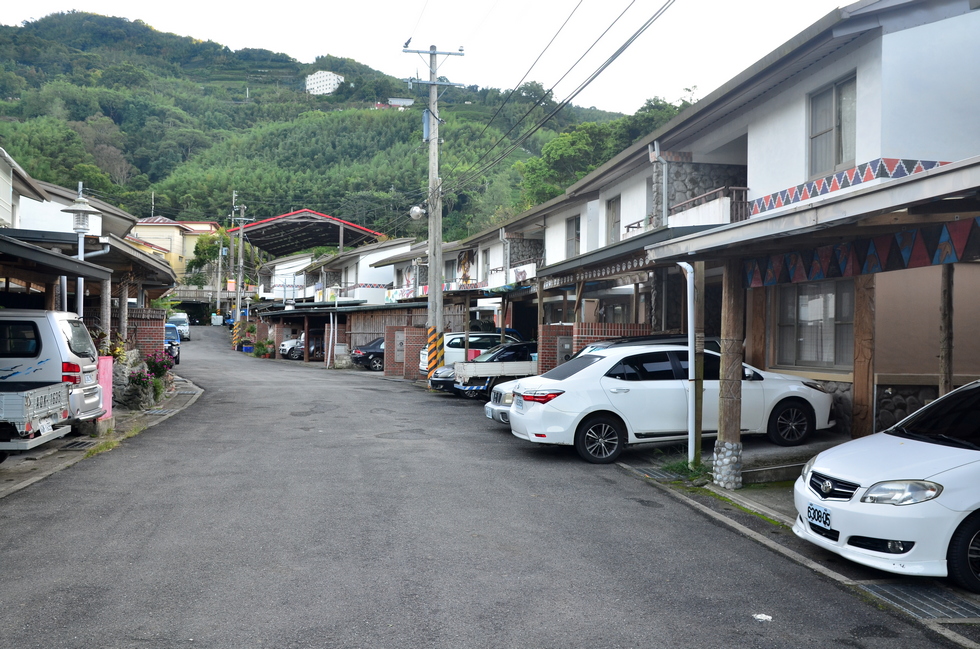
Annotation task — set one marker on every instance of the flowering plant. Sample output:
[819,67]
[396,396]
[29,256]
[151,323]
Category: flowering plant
[140,378]
[159,363]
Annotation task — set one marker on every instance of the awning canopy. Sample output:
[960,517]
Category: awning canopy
[42,266]
[302,230]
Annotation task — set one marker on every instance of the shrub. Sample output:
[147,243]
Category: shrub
[159,363]
[157,388]
[140,378]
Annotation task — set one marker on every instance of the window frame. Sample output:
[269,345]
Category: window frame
[839,324]
[614,206]
[573,236]
[834,131]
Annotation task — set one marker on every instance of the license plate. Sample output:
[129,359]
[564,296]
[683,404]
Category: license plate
[488,412]
[518,402]
[819,516]
[89,378]
[46,426]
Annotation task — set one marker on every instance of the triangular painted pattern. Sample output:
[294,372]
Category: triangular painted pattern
[862,173]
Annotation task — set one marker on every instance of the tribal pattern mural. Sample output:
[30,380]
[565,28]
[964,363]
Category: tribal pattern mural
[944,243]
[877,168]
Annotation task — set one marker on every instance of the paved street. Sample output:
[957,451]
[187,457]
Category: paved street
[298,507]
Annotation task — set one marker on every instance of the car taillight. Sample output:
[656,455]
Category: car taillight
[75,377]
[542,396]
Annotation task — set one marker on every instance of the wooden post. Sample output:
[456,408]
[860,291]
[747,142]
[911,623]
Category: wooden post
[755,335]
[862,394]
[635,308]
[698,353]
[306,339]
[540,303]
[946,331]
[727,467]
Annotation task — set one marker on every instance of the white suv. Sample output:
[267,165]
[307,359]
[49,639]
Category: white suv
[454,345]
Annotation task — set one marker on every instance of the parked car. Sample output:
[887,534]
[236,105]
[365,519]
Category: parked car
[52,347]
[371,355]
[711,344]
[454,346]
[501,398]
[293,348]
[904,500]
[183,324]
[171,342]
[610,398]
[444,378]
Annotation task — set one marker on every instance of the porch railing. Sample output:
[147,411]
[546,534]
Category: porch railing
[738,195]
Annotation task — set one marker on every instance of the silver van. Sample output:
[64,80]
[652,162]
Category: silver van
[51,347]
[183,325]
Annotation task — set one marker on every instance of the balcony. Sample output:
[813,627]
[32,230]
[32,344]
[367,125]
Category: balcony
[717,207]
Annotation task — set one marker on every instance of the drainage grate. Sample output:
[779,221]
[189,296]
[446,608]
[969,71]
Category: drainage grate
[186,391]
[925,602]
[160,411]
[658,473]
[78,445]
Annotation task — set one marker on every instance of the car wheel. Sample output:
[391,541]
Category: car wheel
[177,359]
[376,364]
[600,439]
[295,354]
[963,555]
[791,423]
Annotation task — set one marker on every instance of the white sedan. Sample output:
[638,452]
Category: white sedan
[904,500]
[605,400]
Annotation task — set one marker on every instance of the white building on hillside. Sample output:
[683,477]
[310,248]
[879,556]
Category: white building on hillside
[323,82]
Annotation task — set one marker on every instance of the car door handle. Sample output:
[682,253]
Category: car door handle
[619,390]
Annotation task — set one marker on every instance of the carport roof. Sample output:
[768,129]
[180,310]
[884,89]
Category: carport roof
[36,264]
[301,230]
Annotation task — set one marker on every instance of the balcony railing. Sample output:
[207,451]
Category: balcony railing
[739,210]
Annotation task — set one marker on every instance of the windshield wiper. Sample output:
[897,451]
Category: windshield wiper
[934,439]
[958,442]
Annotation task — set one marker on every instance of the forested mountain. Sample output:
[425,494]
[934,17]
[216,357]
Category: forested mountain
[149,118]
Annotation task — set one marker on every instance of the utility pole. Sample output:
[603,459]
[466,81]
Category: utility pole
[241,262]
[435,303]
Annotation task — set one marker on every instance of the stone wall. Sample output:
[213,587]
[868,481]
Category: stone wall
[687,180]
[895,402]
[523,251]
[842,405]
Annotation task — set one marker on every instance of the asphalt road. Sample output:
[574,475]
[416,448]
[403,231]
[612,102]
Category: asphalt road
[298,507]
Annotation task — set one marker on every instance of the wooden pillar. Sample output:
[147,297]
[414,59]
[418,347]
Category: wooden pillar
[862,393]
[105,311]
[946,331]
[727,467]
[124,308]
[540,286]
[755,322]
[635,307]
[50,296]
[306,339]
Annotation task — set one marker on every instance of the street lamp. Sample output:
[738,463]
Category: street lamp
[80,211]
[248,303]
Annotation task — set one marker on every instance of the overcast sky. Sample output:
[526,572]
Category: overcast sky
[696,43]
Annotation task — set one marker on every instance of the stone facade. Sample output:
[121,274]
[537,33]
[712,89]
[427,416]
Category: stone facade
[687,180]
[840,410]
[894,403]
[524,251]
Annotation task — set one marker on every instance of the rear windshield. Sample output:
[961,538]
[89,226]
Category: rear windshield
[571,367]
[953,420]
[19,339]
[79,342]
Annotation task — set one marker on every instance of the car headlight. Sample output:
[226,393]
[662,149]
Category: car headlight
[902,492]
[813,385]
[508,398]
[808,466]
[444,373]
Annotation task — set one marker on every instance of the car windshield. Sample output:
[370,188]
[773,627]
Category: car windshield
[952,420]
[172,333]
[487,355]
[571,367]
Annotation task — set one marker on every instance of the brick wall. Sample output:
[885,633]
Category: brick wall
[590,332]
[146,328]
[415,340]
[548,345]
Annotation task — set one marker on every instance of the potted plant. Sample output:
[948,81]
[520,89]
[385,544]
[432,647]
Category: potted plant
[261,351]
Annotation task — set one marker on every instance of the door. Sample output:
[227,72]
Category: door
[644,389]
[753,396]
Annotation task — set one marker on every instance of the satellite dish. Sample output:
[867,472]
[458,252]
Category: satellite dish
[416,212]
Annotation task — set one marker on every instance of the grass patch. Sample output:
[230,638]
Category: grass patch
[688,472]
[102,447]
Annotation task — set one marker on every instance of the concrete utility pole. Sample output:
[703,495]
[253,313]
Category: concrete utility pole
[241,263]
[435,311]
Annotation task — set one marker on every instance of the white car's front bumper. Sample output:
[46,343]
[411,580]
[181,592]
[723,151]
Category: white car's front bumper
[929,525]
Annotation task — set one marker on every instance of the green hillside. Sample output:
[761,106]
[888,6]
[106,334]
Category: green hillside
[140,115]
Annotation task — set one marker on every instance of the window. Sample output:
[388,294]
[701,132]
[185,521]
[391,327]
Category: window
[19,339]
[612,220]
[573,236]
[654,366]
[450,270]
[833,117]
[486,264]
[815,325]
